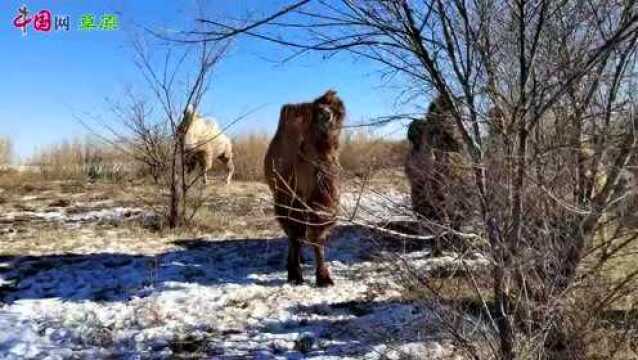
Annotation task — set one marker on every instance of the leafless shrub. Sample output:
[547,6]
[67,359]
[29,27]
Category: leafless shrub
[81,159]
[149,130]
[547,179]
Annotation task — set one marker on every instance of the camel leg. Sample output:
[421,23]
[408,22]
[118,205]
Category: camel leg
[317,236]
[207,163]
[436,247]
[295,232]
[323,274]
[230,166]
[231,170]
[295,274]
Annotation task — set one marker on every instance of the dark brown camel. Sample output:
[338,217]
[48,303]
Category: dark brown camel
[301,168]
[431,168]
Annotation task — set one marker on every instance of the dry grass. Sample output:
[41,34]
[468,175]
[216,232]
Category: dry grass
[249,152]
[242,209]
[6,151]
[363,154]
[86,159]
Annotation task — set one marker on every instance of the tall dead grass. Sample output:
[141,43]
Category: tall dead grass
[248,154]
[80,159]
[361,154]
[6,151]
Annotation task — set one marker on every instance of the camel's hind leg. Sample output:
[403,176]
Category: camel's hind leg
[227,160]
[295,232]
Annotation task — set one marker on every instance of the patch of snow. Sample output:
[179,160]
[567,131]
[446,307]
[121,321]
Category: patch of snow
[375,206]
[214,298]
[108,215]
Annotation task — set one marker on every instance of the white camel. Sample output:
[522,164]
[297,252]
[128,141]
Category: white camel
[204,142]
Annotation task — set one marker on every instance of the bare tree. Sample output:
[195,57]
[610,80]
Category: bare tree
[558,79]
[148,128]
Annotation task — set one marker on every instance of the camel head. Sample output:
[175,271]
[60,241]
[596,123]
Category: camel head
[187,120]
[189,114]
[436,131]
[325,119]
[416,134]
[328,114]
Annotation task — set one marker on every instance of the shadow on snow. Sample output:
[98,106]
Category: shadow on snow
[119,277]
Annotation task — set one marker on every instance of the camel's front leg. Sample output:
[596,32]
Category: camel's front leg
[295,275]
[207,163]
[323,273]
[230,166]
[318,238]
[227,160]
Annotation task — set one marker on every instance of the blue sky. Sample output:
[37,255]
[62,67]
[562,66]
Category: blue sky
[52,78]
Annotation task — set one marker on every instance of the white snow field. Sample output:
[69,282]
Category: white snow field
[219,298]
[222,299]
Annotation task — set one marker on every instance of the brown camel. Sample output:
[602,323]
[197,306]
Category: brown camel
[301,168]
[432,172]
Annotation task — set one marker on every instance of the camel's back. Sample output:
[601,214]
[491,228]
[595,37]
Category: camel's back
[202,131]
[282,156]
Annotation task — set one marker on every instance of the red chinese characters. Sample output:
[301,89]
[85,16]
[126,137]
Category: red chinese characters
[22,20]
[42,21]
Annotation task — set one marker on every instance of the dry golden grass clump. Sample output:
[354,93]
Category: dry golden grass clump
[81,159]
[5,151]
[363,154]
[249,156]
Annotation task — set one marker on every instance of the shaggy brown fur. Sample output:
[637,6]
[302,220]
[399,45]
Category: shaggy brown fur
[301,168]
[431,168]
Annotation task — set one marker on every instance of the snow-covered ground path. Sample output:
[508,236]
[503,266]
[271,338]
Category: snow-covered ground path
[213,298]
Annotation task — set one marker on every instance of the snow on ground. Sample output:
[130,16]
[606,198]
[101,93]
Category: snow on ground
[374,206]
[99,215]
[217,298]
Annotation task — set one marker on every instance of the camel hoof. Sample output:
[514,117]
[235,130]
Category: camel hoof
[324,279]
[436,253]
[295,277]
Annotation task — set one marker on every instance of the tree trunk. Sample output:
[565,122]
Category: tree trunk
[176,206]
